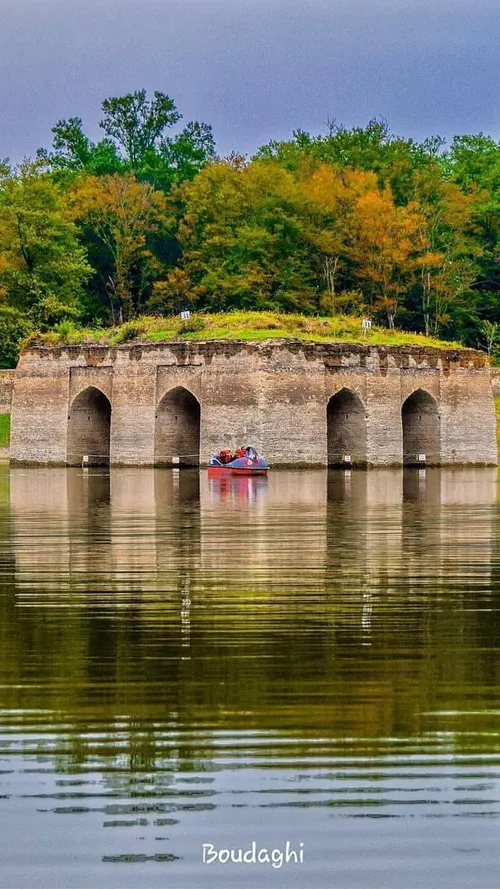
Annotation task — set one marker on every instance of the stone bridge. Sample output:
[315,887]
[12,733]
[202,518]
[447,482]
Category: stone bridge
[299,403]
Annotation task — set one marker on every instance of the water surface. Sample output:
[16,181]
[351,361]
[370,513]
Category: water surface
[312,658]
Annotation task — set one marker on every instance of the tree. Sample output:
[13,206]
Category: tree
[43,268]
[138,124]
[372,148]
[333,193]
[490,333]
[383,249]
[448,250]
[122,213]
[243,230]
[14,328]
[187,153]
[135,141]
[75,152]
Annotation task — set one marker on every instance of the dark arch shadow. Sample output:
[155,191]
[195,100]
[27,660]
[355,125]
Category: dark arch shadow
[89,428]
[346,429]
[177,429]
[421,430]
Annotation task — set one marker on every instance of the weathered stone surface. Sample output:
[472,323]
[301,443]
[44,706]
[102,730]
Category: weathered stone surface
[6,387]
[495,380]
[175,400]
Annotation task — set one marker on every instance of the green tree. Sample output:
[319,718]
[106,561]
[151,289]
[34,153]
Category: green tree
[43,268]
[448,248]
[473,163]
[136,140]
[138,124]
[75,152]
[122,213]
[244,232]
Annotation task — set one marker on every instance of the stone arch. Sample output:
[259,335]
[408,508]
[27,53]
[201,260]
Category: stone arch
[421,429]
[89,428]
[177,428]
[346,429]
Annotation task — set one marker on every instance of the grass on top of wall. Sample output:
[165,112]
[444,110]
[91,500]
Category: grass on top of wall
[4,430]
[237,325]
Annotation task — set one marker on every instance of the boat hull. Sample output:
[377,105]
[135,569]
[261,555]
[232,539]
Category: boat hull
[214,471]
[250,464]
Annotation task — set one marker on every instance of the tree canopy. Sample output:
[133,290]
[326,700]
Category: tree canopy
[149,219]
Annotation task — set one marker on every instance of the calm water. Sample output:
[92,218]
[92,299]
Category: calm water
[311,658]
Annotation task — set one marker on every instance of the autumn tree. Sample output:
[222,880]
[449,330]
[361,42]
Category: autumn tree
[332,194]
[383,249]
[372,149]
[123,214]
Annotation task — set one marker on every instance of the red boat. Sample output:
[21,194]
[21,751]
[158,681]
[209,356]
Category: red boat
[248,464]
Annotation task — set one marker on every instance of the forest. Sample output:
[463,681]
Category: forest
[149,221]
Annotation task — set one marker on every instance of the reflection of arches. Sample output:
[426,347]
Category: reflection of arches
[346,428]
[89,425]
[177,428]
[420,419]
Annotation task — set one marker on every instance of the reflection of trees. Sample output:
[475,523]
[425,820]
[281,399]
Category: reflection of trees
[168,612]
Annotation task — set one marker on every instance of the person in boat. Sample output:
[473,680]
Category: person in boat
[240,452]
[225,456]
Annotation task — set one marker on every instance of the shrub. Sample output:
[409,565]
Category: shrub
[130,330]
[191,325]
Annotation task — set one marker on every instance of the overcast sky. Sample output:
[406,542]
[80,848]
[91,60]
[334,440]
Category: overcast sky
[254,69]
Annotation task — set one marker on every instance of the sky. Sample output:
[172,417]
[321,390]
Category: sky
[254,69]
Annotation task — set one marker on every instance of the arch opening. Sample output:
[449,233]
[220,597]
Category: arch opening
[89,428]
[421,433]
[346,429]
[177,429]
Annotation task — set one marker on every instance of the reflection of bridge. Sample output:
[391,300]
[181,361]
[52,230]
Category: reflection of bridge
[143,531]
[176,594]
[299,403]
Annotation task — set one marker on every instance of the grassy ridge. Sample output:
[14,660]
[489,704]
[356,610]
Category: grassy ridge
[238,325]
[4,430]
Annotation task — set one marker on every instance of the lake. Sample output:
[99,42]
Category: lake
[310,659]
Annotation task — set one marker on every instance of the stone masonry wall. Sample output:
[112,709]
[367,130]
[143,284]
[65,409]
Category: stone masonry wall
[6,387]
[273,395]
[495,380]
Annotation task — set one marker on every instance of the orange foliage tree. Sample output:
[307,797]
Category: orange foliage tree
[384,249]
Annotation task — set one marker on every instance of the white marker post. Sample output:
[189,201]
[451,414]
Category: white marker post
[366,325]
